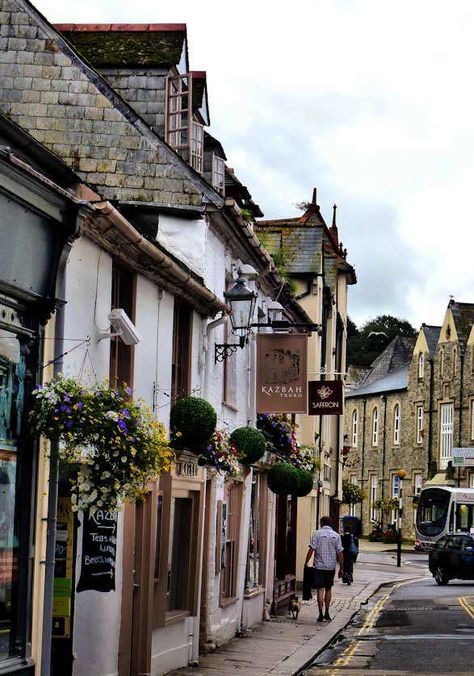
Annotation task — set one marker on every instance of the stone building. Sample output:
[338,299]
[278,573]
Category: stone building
[416,404]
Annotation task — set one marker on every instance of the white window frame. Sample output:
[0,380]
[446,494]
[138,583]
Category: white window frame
[395,494]
[352,507]
[421,366]
[446,412]
[375,427]
[417,486]
[197,146]
[396,424]
[373,497]
[218,174]
[420,419]
[355,428]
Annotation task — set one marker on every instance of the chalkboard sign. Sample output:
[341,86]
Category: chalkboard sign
[99,545]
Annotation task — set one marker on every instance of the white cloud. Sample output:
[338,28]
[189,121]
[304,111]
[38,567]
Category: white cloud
[371,101]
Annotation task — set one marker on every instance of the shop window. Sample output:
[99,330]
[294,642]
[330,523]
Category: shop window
[255,554]
[229,529]
[121,355]
[181,357]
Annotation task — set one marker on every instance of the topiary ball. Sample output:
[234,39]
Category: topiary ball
[193,422]
[305,483]
[250,444]
[283,479]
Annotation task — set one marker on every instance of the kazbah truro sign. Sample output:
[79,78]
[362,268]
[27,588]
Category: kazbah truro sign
[281,373]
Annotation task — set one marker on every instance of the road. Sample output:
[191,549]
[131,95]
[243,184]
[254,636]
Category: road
[408,628]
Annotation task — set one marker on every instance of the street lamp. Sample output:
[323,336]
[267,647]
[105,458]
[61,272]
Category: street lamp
[401,474]
[241,301]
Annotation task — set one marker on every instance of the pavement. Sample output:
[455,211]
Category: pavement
[283,646]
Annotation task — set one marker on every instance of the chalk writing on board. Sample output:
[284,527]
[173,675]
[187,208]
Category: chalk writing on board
[99,546]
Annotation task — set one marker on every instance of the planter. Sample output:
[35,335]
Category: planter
[193,422]
[250,444]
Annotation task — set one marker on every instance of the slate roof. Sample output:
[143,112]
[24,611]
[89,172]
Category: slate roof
[432,337]
[131,45]
[301,247]
[392,382]
[396,355]
[463,314]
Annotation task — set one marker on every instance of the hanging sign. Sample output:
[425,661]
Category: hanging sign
[325,397]
[99,545]
[281,373]
[463,457]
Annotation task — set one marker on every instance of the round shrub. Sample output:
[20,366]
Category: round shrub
[305,483]
[250,444]
[283,479]
[193,422]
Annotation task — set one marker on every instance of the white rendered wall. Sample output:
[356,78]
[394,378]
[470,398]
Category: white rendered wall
[186,239]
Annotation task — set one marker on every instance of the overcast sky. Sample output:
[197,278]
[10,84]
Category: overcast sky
[369,100]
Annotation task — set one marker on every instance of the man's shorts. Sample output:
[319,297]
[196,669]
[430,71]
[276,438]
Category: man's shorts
[323,578]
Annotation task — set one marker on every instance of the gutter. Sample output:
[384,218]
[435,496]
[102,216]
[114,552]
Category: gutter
[177,275]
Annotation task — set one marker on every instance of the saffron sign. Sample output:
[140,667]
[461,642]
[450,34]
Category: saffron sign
[281,373]
[325,397]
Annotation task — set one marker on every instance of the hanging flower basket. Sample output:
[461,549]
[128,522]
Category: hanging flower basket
[250,444]
[112,443]
[283,479]
[193,422]
[278,431]
[387,504]
[221,454]
[351,493]
[305,483]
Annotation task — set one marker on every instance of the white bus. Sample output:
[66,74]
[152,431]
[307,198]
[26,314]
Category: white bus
[442,510]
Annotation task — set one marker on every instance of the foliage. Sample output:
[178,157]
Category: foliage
[386,504]
[221,454]
[305,458]
[283,479]
[250,444]
[305,482]
[364,345]
[379,535]
[247,215]
[193,422]
[351,493]
[278,430]
[112,442]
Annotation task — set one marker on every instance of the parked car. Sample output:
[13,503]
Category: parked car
[452,557]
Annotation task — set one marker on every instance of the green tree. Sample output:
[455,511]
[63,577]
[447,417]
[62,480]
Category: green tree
[365,344]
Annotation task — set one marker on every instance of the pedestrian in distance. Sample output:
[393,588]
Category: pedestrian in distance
[326,550]
[351,550]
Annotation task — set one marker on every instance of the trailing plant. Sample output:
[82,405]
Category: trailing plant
[278,431]
[111,442]
[352,493]
[386,504]
[193,422]
[250,444]
[221,454]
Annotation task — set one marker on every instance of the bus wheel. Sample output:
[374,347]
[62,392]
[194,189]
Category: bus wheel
[440,576]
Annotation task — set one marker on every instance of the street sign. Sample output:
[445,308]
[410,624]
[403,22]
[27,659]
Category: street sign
[463,457]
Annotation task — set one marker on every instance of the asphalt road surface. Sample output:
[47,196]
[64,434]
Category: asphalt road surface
[408,628]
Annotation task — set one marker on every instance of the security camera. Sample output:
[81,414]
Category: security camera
[122,326]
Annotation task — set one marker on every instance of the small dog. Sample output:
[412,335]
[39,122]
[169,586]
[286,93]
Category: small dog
[294,607]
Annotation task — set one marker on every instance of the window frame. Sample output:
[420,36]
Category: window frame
[218,175]
[419,423]
[396,424]
[258,515]
[421,366]
[196,148]
[373,490]
[355,428]
[181,350]
[446,433]
[231,511]
[375,426]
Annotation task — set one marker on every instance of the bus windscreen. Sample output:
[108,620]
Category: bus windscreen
[432,511]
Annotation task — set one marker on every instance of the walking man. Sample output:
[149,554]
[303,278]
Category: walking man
[327,550]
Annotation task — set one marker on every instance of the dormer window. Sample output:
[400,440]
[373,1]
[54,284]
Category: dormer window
[218,174]
[197,146]
[183,134]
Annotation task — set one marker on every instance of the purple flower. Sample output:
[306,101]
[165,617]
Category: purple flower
[122,426]
[125,413]
[63,408]
[128,391]
[80,405]
[66,397]
[68,424]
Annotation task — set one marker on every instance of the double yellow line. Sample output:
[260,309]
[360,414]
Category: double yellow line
[463,600]
[369,624]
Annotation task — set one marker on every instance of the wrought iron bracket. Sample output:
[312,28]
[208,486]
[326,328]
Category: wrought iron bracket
[224,350]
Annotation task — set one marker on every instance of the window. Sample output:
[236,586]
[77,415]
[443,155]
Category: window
[181,357]
[197,145]
[121,355]
[419,424]
[446,434]
[254,576]
[417,484]
[441,363]
[178,112]
[218,174]
[396,425]
[180,547]
[375,427]
[455,361]
[327,473]
[355,428]
[395,494]
[421,365]
[352,507]
[229,513]
[373,496]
